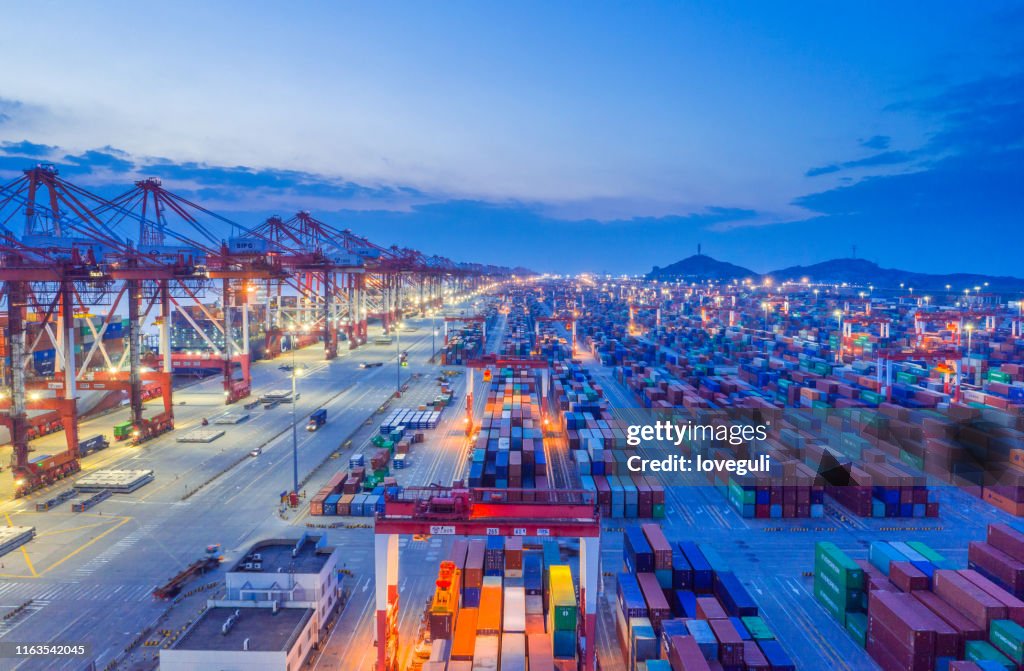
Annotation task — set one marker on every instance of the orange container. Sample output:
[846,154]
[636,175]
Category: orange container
[464,642]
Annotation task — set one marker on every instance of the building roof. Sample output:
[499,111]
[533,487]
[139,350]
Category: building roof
[276,556]
[266,631]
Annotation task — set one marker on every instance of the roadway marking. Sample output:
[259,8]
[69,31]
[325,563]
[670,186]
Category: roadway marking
[124,520]
[24,550]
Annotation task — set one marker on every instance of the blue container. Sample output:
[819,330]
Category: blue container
[776,656]
[682,572]
[637,551]
[684,603]
[629,596]
[670,628]
[564,644]
[702,574]
[705,638]
[733,596]
[741,628]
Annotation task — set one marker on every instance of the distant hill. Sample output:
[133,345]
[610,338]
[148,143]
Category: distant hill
[853,271]
[700,267]
[862,271]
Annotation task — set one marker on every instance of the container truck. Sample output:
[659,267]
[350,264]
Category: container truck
[317,419]
[93,444]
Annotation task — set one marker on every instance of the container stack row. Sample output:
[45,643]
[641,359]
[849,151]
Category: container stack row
[509,449]
[499,605]
[913,611]
[680,605]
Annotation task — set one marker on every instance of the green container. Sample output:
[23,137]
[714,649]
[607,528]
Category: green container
[831,600]
[658,510]
[930,554]
[122,430]
[832,561]
[1008,637]
[857,627]
[906,378]
[999,376]
[979,651]
[759,631]
[871,397]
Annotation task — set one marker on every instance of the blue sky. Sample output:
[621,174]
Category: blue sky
[562,136]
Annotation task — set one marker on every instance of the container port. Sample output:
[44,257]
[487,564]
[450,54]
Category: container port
[445,419]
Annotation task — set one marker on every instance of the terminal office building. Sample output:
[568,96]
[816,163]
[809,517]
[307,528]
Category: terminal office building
[279,598]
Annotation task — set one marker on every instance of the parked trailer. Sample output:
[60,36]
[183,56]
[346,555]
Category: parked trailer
[55,501]
[14,537]
[85,504]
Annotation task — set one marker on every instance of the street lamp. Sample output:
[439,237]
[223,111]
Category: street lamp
[764,306]
[398,359]
[839,353]
[295,431]
[970,332]
[433,335]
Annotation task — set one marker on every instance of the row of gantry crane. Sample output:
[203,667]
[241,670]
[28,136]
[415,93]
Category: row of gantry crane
[68,253]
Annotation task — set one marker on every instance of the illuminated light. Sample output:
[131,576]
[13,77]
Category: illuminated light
[837,313]
[20,482]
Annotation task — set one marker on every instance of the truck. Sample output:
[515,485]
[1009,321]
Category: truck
[93,444]
[123,430]
[317,419]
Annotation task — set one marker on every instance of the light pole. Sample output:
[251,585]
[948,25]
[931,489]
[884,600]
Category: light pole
[398,359]
[839,353]
[433,335]
[970,332]
[295,431]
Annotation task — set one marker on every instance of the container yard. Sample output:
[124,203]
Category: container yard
[514,339]
[498,482]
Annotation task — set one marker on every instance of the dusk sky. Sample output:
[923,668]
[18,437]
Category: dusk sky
[559,136]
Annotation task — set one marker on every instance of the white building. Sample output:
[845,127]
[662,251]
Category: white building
[279,596]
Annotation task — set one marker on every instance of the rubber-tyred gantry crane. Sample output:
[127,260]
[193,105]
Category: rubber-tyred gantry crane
[443,511]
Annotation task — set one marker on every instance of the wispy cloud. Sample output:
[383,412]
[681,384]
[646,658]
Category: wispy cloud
[878,142]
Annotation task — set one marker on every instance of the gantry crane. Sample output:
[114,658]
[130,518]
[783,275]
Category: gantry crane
[457,511]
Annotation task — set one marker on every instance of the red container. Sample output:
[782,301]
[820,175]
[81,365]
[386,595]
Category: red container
[906,618]
[659,545]
[685,655]
[708,608]
[892,654]
[964,627]
[989,560]
[730,645]
[966,597]
[1006,539]
[1014,606]
[473,575]
[754,658]
[657,606]
[906,577]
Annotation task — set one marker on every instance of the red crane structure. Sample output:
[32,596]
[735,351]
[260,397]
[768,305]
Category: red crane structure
[67,253]
[457,511]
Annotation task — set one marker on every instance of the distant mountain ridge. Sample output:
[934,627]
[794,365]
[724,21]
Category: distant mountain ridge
[852,271]
[701,266]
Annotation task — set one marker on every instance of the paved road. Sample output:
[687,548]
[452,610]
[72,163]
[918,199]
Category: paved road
[90,575]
